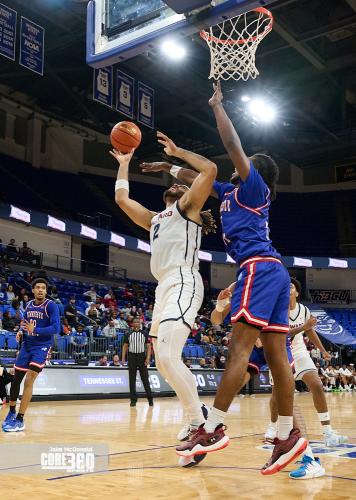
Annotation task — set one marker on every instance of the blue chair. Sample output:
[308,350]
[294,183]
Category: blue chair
[11,341]
[2,340]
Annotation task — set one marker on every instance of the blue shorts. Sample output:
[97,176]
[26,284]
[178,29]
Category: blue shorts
[257,359]
[261,295]
[32,356]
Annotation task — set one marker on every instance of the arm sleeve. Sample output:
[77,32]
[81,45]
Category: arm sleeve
[253,191]
[222,187]
[54,327]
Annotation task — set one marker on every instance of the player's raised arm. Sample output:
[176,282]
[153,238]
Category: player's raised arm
[202,185]
[137,212]
[228,134]
[185,175]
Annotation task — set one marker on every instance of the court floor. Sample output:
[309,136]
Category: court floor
[143,464]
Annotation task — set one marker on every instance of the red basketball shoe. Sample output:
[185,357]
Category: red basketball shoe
[285,452]
[204,442]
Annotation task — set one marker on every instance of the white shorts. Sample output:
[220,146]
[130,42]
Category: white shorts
[179,296]
[303,364]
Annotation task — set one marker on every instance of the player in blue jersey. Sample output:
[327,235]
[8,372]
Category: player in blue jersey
[41,321]
[259,304]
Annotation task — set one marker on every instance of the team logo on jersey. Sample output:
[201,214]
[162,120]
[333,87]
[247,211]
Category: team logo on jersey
[165,214]
[347,450]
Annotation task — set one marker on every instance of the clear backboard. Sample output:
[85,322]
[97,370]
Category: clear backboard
[120,29]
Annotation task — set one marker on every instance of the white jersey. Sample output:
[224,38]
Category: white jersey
[175,242]
[297,317]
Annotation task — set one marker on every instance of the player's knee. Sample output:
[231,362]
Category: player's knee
[30,378]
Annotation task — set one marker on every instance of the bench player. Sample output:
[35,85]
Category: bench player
[257,310]
[175,235]
[41,321]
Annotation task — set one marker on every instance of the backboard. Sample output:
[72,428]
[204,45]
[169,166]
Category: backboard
[120,29]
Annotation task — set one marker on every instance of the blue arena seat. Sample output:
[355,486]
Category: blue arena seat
[11,341]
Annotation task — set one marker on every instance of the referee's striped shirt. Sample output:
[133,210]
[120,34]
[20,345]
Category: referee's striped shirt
[137,339]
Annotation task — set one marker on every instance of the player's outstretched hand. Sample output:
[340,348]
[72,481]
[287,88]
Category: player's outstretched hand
[169,147]
[156,166]
[217,97]
[121,157]
[310,323]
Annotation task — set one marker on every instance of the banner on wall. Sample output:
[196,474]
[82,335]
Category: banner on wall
[145,105]
[345,173]
[103,85]
[32,46]
[8,19]
[330,329]
[330,296]
[125,93]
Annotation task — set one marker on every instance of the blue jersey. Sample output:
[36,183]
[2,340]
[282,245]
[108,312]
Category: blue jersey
[47,323]
[244,213]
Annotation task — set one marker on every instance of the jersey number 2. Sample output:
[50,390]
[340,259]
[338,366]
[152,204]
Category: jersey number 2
[155,231]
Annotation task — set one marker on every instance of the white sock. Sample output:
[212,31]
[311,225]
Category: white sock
[273,425]
[285,425]
[309,453]
[326,429]
[215,418]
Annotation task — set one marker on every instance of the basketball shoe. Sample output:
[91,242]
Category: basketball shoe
[332,438]
[184,433]
[308,469]
[15,425]
[202,442]
[285,452]
[9,418]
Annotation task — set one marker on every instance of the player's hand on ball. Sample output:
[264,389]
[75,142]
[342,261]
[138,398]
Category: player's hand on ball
[169,147]
[156,166]
[121,157]
[217,97]
[310,323]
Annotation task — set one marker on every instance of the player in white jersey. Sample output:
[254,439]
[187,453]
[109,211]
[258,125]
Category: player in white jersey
[175,235]
[300,322]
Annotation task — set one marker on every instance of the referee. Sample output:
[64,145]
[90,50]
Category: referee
[135,343]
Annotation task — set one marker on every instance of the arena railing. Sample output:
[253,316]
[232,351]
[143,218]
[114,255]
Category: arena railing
[63,263]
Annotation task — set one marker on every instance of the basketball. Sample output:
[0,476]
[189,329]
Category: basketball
[125,136]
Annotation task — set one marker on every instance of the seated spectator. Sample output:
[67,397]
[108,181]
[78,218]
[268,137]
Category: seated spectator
[92,312]
[3,296]
[26,254]
[91,294]
[103,361]
[109,330]
[188,362]
[79,336]
[99,306]
[109,300]
[11,250]
[115,360]
[66,329]
[121,322]
[10,294]
[333,376]
[204,364]
[149,312]
[55,296]
[220,362]
[71,313]
[8,322]
[325,379]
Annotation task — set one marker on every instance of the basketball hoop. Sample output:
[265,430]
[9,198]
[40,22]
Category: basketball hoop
[234,42]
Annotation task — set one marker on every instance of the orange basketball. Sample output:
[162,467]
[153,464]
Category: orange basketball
[125,136]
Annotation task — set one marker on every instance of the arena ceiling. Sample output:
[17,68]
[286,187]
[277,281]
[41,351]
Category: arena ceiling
[307,66]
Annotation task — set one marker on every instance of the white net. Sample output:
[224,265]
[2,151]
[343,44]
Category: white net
[234,42]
